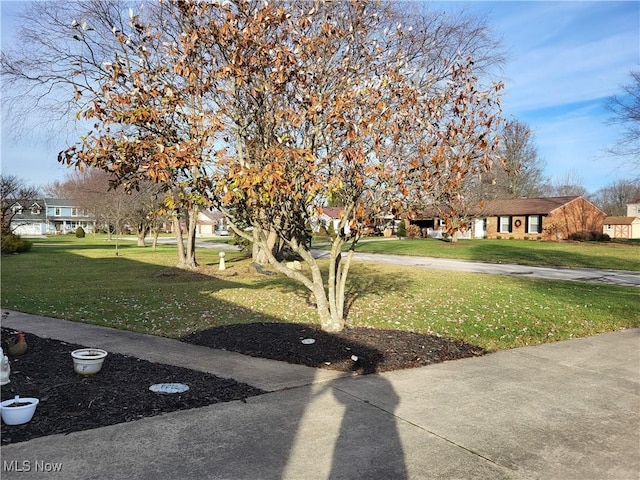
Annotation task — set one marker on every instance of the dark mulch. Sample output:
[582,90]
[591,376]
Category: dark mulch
[360,350]
[120,391]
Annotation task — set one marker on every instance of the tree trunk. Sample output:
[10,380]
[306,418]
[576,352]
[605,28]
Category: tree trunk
[329,302]
[259,250]
[177,231]
[331,320]
[190,258]
[258,255]
[154,244]
[141,234]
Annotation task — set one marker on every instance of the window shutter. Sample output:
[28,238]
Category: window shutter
[539,223]
[510,224]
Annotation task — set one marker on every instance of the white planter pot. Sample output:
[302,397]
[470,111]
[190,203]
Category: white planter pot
[88,361]
[18,415]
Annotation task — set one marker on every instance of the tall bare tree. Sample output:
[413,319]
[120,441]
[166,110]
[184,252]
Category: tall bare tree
[624,110]
[521,174]
[569,184]
[113,207]
[614,198]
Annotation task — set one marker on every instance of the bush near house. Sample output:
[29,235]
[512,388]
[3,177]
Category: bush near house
[402,229]
[14,244]
[589,237]
[80,232]
[413,231]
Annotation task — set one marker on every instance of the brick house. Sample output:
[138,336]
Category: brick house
[551,218]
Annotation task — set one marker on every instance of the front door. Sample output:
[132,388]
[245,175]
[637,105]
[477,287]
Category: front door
[480,228]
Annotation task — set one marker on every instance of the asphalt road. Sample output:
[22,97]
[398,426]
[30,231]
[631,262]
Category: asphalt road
[611,277]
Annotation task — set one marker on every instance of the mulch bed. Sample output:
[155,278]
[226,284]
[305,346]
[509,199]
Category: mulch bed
[359,350]
[120,391]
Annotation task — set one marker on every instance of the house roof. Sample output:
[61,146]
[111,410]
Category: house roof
[619,220]
[332,212]
[526,206]
[59,202]
[514,206]
[213,216]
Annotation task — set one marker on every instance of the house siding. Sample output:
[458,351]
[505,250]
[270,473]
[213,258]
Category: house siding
[519,227]
[579,215]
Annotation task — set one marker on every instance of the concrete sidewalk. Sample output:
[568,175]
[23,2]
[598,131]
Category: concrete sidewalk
[262,373]
[557,411]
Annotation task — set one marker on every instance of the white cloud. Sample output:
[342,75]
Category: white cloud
[565,52]
[565,59]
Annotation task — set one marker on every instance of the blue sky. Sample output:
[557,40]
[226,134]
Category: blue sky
[564,58]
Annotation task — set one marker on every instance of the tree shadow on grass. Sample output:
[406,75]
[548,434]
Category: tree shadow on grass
[507,250]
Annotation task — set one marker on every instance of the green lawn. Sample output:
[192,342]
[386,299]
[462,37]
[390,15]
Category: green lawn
[613,256]
[83,280]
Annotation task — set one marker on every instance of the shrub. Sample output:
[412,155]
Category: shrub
[413,231]
[80,232]
[14,244]
[331,230]
[402,229]
[589,237]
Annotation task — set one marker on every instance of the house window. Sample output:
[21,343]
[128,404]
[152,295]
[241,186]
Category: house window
[57,212]
[16,209]
[504,224]
[534,224]
[74,212]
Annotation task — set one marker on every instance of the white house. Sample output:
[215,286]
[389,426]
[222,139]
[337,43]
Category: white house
[210,223]
[330,216]
[49,217]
